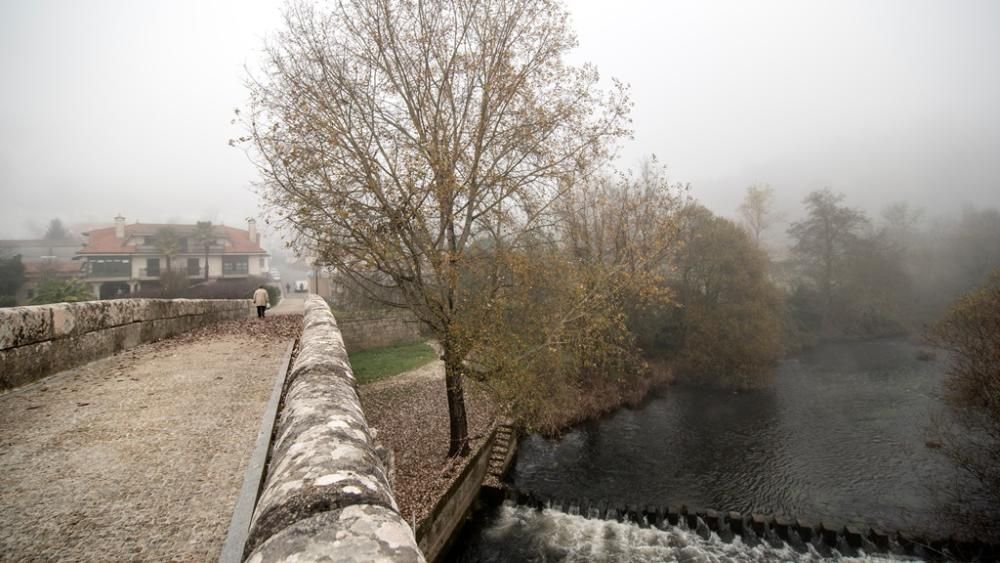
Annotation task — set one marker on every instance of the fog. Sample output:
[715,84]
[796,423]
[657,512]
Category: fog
[124,107]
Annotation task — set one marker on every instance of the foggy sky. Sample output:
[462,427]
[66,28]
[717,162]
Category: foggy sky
[111,107]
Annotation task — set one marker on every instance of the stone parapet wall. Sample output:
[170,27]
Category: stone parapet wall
[40,340]
[327,494]
[436,532]
[384,329]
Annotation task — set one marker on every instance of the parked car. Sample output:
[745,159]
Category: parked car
[301,286]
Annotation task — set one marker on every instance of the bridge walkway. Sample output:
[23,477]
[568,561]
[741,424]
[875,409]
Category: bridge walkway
[290,304]
[139,456]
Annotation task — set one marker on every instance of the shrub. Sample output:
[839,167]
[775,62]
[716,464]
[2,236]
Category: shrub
[273,294]
[11,275]
[241,288]
[55,290]
[969,433]
[173,283]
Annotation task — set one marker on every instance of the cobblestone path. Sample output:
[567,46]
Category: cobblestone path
[137,457]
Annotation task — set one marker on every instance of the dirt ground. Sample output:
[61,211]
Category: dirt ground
[140,456]
[410,412]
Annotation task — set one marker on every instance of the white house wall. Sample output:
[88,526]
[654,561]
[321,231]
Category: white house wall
[214,265]
[255,267]
[137,265]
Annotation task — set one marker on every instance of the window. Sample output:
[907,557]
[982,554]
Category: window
[263,263]
[109,267]
[31,293]
[192,267]
[152,266]
[235,265]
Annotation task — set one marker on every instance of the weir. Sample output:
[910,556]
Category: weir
[775,531]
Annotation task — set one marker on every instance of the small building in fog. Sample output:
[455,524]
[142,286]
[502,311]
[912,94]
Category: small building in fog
[42,258]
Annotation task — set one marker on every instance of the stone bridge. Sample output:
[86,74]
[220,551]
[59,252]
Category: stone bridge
[119,444]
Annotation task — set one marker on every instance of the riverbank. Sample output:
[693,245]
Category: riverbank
[578,405]
[410,413]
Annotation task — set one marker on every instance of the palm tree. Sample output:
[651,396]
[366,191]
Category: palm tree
[168,243]
[204,235]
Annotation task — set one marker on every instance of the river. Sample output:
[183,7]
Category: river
[839,437]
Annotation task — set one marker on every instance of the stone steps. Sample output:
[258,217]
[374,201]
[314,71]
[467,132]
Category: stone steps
[499,455]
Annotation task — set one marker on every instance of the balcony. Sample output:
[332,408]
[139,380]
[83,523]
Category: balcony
[235,273]
[189,248]
[154,273]
[107,268]
[123,273]
[107,276]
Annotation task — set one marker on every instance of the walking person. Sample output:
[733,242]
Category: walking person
[261,300]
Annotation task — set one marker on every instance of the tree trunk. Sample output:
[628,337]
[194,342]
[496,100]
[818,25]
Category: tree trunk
[206,262]
[458,423]
[453,369]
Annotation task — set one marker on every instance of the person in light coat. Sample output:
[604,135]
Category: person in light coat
[261,301]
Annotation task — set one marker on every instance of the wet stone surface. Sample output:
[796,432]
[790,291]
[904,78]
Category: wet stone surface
[136,457]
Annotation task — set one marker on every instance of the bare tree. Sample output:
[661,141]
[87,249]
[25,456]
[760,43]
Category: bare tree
[900,222]
[823,238]
[56,230]
[757,210]
[394,135]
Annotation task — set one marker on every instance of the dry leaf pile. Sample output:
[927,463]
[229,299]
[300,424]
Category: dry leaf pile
[410,413]
[273,328]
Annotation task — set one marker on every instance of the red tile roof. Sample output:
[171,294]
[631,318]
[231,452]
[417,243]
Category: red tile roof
[239,240]
[104,241]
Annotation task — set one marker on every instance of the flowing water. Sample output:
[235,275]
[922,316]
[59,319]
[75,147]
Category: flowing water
[520,534]
[838,438]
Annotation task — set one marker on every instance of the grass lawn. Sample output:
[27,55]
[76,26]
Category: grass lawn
[377,363]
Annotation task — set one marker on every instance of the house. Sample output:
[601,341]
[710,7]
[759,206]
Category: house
[36,271]
[125,258]
[42,258]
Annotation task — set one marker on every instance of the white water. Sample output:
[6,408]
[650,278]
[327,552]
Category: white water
[524,534]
